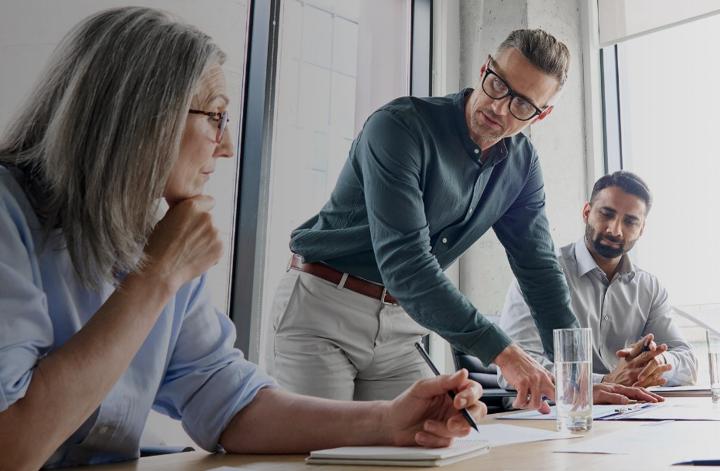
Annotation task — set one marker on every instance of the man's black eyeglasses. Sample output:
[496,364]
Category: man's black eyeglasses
[497,88]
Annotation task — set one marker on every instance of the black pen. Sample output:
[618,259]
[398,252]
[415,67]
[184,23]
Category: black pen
[700,463]
[464,411]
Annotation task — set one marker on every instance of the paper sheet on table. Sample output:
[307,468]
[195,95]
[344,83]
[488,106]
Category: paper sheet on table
[682,391]
[647,438]
[705,411]
[501,434]
[598,412]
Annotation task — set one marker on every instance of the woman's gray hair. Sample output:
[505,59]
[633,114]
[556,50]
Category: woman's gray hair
[543,51]
[95,143]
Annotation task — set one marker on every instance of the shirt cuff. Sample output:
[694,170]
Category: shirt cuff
[671,360]
[597,378]
[490,344]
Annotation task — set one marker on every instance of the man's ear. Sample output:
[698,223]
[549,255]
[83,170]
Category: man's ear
[544,114]
[586,212]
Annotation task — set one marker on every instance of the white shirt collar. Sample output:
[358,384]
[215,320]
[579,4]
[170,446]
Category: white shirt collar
[586,263]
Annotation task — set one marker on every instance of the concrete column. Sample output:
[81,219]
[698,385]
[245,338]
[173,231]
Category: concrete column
[484,273]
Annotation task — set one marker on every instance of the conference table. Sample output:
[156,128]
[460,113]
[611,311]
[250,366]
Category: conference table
[538,456]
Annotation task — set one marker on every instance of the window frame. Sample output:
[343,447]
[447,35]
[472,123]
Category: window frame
[256,137]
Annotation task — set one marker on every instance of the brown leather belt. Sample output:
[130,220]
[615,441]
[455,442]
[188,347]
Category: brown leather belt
[352,283]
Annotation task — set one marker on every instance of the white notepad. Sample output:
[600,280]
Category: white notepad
[400,456]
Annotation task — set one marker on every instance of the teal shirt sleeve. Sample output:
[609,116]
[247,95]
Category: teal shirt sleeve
[525,233]
[390,161]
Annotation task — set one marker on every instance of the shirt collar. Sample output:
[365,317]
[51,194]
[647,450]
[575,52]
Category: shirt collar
[496,153]
[586,263]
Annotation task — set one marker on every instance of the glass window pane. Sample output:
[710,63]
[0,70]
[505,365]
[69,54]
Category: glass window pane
[334,69]
[668,91]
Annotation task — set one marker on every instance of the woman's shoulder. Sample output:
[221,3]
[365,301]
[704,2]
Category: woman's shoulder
[14,203]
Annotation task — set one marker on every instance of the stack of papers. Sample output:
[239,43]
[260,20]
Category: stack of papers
[643,411]
[704,412]
[599,412]
[682,391]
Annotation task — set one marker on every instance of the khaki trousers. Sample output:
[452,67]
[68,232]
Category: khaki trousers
[335,343]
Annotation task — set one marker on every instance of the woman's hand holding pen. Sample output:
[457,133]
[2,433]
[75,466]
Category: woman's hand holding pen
[425,415]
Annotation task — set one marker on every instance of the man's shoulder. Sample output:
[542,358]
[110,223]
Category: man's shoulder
[566,253]
[566,259]
[410,106]
[646,279]
[520,144]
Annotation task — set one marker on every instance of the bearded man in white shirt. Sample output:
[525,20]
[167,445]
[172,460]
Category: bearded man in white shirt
[635,342]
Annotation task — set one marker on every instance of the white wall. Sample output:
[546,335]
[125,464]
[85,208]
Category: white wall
[559,139]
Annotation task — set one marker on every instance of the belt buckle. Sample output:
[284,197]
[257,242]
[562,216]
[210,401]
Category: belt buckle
[382,298]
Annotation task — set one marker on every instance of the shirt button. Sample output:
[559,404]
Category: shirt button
[103,430]
[477,151]
[444,240]
[607,317]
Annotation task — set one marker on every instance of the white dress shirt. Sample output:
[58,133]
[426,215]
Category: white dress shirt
[619,312]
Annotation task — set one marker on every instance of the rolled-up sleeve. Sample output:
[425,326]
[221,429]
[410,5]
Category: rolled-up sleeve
[207,380]
[391,167]
[26,332]
[524,232]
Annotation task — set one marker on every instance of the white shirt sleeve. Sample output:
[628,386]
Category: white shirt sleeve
[680,354]
[517,322]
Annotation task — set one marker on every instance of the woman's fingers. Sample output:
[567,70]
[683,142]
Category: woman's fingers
[469,394]
[428,440]
[451,428]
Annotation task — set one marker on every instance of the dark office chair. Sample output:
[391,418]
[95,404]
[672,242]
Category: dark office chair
[155,450]
[486,375]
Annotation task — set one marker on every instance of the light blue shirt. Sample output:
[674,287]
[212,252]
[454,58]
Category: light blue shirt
[187,368]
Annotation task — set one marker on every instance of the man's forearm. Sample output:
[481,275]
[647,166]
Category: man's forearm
[277,421]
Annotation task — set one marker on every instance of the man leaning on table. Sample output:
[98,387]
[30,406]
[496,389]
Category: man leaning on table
[635,342]
[425,178]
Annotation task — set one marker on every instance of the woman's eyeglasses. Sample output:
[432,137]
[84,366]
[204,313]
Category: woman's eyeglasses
[222,119]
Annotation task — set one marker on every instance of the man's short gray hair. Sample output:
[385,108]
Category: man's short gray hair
[543,51]
[95,143]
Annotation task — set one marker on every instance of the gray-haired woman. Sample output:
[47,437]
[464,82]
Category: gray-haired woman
[103,310]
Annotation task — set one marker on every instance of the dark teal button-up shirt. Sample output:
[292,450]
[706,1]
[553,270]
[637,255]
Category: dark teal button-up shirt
[414,195]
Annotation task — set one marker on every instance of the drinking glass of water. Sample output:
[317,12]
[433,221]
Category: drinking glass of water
[713,344]
[573,379]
